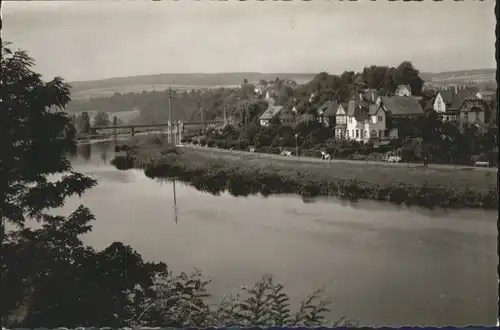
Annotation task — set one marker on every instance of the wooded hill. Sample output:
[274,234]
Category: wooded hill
[187,102]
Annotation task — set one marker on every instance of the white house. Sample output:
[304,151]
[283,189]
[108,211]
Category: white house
[403,90]
[452,105]
[366,121]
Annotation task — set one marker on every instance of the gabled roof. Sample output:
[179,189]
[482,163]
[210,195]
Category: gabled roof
[402,105]
[358,110]
[454,100]
[430,104]
[344,107]
[483,102]
[328,109]
[271,112]
[373,108]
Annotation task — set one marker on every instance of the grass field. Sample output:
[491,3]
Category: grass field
[377,174]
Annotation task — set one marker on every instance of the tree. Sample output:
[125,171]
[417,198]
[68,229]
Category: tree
[102,119]
[407,74]
[83,123]
[35,136]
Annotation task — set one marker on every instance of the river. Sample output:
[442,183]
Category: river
[380,263]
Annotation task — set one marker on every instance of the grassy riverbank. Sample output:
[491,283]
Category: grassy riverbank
[249,174]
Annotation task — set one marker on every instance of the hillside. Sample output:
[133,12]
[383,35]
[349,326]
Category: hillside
[179,81]
[457,77]
[189,81]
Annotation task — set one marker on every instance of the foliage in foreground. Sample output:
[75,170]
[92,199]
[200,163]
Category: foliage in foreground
[244,177]
[50,277]
[179,301]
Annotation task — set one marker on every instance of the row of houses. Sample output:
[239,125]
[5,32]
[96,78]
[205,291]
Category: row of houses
[366,116]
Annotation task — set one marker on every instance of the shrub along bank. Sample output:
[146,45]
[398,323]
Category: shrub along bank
[244,175]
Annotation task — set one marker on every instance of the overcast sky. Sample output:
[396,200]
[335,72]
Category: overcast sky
[95,39]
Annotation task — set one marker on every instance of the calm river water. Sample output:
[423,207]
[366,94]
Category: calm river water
[381,264]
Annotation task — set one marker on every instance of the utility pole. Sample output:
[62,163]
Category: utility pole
[169,114]
[201,110]
[225,118]
[175,202]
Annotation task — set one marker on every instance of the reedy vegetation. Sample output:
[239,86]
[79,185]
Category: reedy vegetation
[244,175]
[49,277]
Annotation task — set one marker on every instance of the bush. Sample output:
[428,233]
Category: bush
[242,145]
[210,143]
[399,185]
[203,142]
[357,156]
[375,156]
[179,302]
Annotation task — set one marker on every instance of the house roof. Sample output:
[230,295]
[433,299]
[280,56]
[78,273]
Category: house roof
[271,112]
[402,105]
[373,108]
[454,100]
[358,109]
[430,104]
[328,109]
[483,103]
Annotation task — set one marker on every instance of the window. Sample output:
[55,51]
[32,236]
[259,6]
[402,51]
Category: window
[374,133]
[380,119]
[357,133]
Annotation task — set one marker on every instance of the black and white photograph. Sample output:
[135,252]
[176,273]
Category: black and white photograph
[206,164]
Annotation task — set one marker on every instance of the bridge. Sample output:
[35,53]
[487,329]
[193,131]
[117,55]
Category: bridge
[174,130]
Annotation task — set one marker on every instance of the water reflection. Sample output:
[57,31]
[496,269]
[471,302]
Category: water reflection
[104,149]
[84,151]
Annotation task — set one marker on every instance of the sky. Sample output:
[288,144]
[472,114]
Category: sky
[87,40]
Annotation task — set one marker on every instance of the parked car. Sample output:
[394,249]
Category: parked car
[286,153]
[252,149]
[393,159]
[482,164]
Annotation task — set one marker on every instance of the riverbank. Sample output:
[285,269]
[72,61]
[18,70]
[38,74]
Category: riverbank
[247,174]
